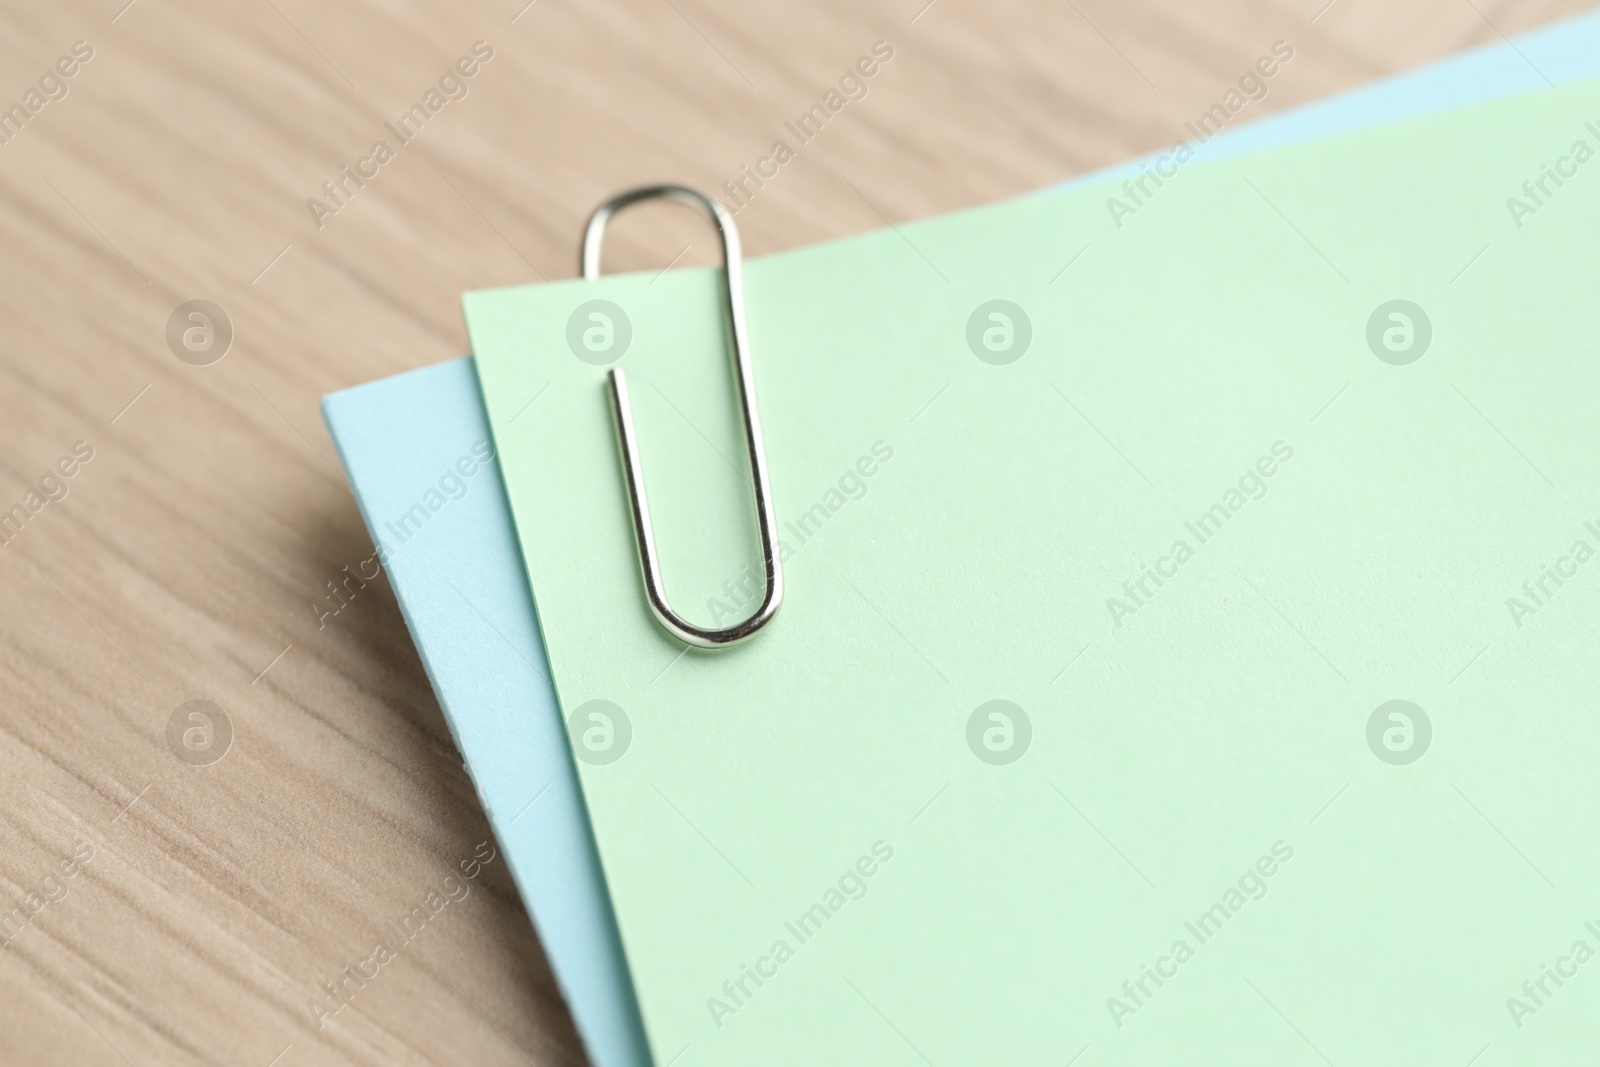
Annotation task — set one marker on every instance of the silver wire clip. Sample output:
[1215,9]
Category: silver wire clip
[633,471]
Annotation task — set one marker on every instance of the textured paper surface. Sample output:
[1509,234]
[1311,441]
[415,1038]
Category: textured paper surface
[1213,350]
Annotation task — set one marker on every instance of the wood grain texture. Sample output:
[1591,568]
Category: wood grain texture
[189,550]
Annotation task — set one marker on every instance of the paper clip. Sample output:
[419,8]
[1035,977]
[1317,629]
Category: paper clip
[633,471]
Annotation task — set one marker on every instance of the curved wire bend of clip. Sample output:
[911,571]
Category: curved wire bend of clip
[633,472]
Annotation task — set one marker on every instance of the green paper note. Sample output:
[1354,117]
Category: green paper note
[1189,660]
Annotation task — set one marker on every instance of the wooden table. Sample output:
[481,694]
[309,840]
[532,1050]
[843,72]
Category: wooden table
[207,902]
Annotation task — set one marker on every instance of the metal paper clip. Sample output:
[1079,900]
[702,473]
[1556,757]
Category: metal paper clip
[633,472]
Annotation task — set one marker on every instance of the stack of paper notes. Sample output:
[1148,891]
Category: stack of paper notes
[1190,584]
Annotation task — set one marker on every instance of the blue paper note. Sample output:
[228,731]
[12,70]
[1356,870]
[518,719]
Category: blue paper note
[458,574]
[1554,55]
[417,449]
